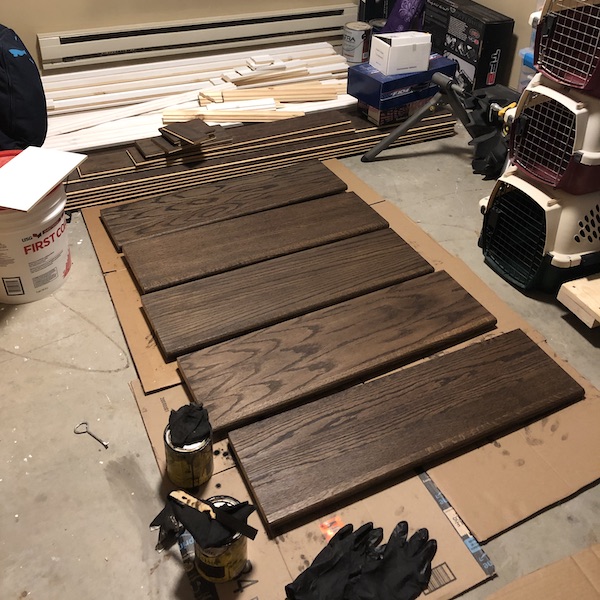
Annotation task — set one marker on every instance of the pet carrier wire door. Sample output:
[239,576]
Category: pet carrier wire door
[538,237]
[555,136]
[567,46]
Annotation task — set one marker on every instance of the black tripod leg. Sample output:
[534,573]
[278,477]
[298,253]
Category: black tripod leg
[401,129]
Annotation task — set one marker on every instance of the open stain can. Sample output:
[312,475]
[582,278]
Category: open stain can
[228,561]
[189,466]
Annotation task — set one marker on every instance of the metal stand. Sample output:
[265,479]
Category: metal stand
[450,92]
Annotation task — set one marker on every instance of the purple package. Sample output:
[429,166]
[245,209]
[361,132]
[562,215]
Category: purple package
[406,15]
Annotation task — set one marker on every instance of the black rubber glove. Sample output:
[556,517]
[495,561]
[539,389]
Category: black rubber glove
[330,571]
[400,572]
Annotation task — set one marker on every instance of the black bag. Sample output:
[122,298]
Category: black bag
[23,116]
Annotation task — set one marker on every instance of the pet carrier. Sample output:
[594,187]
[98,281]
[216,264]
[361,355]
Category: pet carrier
[555,136]
[567,46]
[537,237]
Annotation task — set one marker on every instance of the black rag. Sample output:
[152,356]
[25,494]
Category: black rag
[189,425]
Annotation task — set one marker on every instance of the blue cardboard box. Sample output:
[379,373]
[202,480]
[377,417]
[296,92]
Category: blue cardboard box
[384,92]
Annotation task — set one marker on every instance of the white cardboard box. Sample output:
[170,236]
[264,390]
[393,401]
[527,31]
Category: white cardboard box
[403,52]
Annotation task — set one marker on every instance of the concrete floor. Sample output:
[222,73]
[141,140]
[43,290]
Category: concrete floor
[74,516]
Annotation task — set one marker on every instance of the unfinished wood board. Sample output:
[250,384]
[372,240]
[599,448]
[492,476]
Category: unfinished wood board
[268,370]
[182,256]
[219,201]
[324,452]
[200,313]
[582,298]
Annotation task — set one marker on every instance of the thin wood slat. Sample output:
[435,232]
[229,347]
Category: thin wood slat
[201,251]
[214,202]
[198,176]
[200,313]
[266,371]
[312,456]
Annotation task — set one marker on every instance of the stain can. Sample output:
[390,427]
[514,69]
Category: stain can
[189,466]
[228,561]
[356,44]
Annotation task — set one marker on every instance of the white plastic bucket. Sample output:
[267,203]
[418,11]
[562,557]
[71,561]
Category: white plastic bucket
[34,248]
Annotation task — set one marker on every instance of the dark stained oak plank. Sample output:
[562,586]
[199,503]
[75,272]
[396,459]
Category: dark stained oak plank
[266,371]
[182,256]
[309,457]
[200,313]
[219,201]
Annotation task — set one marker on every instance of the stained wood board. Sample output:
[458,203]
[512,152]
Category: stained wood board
[266,371]
[250,134]
[328,451]
[156,185]
[183,317]
[517,475]
[213,202]
[121,180]
[182,256]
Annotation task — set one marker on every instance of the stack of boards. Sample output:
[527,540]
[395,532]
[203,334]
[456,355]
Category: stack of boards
[327,349]
[144,170]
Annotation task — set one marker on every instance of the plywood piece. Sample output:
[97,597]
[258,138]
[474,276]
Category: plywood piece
[182,256]
[267,371]
[200,313]
[327,451]
[582,298]
[213,202]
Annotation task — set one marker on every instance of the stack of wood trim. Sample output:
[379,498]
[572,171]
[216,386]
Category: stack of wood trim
[113,175]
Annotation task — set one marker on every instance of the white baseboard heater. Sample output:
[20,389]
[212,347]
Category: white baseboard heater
[156,40]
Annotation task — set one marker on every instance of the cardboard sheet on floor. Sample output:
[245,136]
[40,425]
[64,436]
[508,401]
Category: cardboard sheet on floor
[576,576]
[504,482]
[493,487]
[459,564]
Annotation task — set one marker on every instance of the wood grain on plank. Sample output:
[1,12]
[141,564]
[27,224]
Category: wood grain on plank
[266,371]
[212,202]
[323,452]
[182,256]
[200,313]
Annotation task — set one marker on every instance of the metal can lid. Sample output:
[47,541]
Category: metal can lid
[188,447]
[358,25]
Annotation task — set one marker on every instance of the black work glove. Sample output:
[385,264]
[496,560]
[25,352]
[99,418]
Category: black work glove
[400,572]
[330,571]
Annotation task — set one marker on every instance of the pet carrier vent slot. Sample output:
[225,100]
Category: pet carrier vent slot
[569,48]
[544,139]
[589,226]
[515,237]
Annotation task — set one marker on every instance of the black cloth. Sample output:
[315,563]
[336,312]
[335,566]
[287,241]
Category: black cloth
[188,425]
[206,531]
[23,114]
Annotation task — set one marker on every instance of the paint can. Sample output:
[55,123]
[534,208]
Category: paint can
[189,466]
[34,249]
[357,42]
[377,25]
[228,561]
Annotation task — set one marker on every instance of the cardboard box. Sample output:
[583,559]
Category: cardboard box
[479,493]
[391,115]
[577,576]
[459,564]
[367,84]
[403,52]
[478,38]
